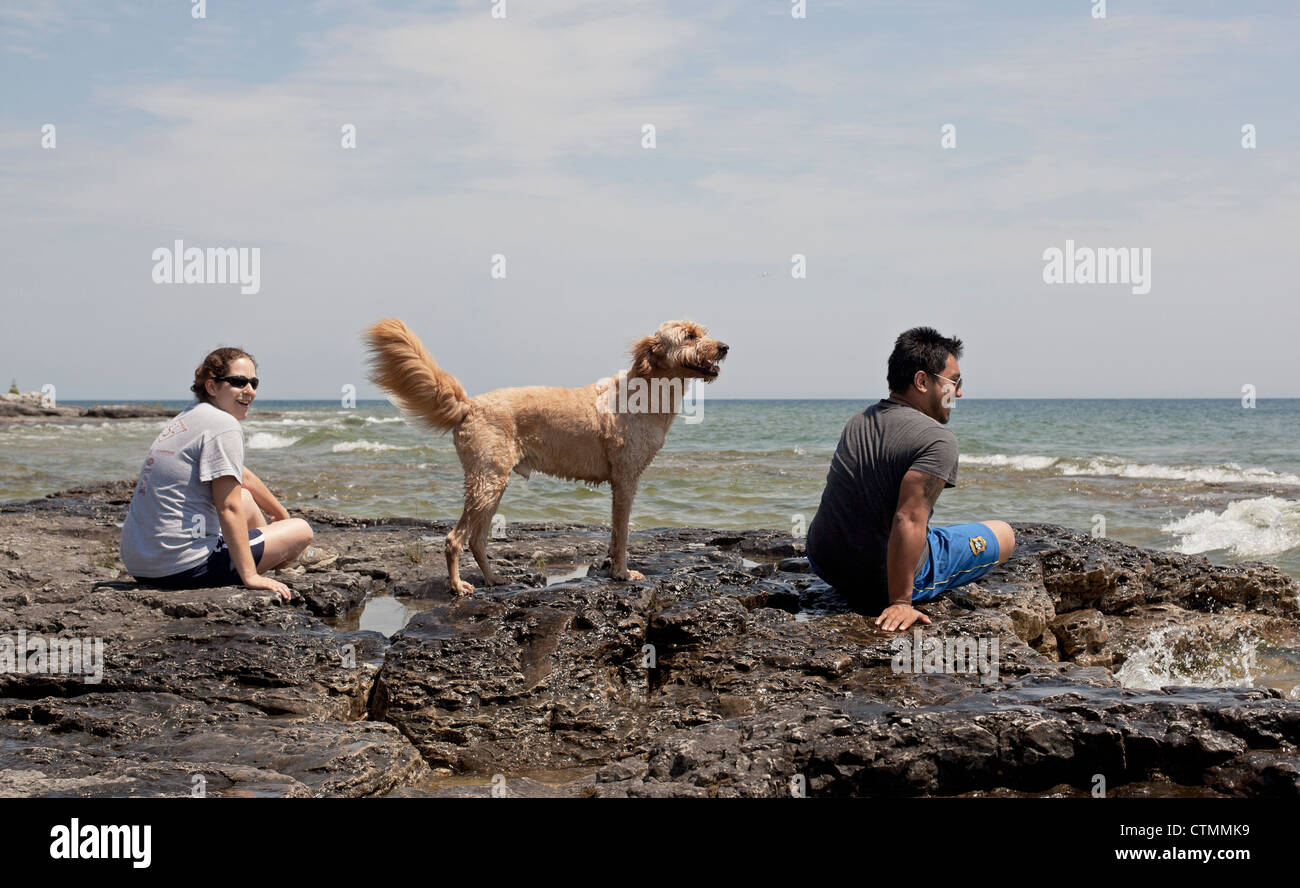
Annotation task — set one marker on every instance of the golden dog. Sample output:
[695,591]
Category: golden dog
[596,433]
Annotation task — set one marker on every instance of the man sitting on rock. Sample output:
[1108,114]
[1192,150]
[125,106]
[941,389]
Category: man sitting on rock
[871,537]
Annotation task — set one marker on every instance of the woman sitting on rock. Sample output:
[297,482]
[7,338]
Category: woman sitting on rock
[195,518]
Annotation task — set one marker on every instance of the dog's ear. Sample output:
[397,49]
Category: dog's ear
[643,353]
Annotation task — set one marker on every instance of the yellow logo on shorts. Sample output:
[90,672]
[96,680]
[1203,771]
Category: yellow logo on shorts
[977,545]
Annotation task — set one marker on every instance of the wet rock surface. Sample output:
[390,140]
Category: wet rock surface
[729,671]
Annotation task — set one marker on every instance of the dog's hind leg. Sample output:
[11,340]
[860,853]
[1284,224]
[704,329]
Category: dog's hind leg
[483,490]
[487,456]
[491,492]
[624,491]
[456,542]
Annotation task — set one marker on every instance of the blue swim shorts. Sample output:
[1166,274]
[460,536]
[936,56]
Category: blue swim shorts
[959,554]
[956,554]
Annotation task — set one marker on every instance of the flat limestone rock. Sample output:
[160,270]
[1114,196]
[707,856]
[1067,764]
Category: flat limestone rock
[730,670]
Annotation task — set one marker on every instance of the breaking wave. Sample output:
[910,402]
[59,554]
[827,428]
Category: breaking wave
[371,446]
[1249,528]
[1109,466]
[1193,656]
[269,441]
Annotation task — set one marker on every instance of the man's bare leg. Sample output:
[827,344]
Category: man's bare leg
[1006,538]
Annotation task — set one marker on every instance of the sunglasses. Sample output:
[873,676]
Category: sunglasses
[956,382]
[237,381]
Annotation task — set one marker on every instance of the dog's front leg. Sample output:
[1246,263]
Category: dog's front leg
[624,491]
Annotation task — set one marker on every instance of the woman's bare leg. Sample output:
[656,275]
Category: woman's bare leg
[285,541]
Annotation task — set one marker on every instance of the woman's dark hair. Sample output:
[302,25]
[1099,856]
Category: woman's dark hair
[921,348]
[214,365]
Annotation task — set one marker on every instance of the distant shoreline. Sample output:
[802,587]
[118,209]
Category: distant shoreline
[59,419]
[103,410]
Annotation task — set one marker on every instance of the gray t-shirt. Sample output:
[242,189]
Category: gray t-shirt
[849,535]
[172,523]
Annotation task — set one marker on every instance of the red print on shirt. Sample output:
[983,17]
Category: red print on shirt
[175,427]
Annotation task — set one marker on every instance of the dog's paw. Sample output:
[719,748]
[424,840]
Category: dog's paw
[626,575]
[460,587]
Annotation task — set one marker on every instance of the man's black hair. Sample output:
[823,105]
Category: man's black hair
[921,348]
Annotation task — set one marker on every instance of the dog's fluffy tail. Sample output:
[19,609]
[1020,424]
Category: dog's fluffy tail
[420,388]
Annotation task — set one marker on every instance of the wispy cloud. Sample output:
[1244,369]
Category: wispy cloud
[522,136]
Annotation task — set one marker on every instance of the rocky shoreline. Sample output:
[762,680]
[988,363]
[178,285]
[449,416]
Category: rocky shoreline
[33,407]
[728,671]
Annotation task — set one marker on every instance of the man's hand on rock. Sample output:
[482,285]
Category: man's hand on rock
[899,617]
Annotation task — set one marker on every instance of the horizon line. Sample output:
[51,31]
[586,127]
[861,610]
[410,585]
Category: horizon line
[147,400]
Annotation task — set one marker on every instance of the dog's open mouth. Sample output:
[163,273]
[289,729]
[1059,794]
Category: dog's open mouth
[705,368]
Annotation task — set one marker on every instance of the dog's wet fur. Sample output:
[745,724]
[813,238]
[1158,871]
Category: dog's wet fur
[566,432]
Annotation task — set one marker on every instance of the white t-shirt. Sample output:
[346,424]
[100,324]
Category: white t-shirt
[172,523]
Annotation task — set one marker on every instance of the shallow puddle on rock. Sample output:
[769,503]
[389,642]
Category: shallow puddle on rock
[572,572]
[388,614]
[385,614]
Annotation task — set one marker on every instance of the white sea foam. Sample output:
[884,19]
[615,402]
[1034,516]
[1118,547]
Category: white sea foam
[1179,655]
[384,419]
[23,435]
[318,422]
[372,446]
[1114,467]
[1249,528]
[1226,473]
[82,429]
[1021,462]
[269,441]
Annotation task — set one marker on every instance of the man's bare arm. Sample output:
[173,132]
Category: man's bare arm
[916,498]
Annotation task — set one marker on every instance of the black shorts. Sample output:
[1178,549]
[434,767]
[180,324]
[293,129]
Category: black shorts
[216,571]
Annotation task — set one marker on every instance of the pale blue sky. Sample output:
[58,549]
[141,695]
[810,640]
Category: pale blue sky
[775,136]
